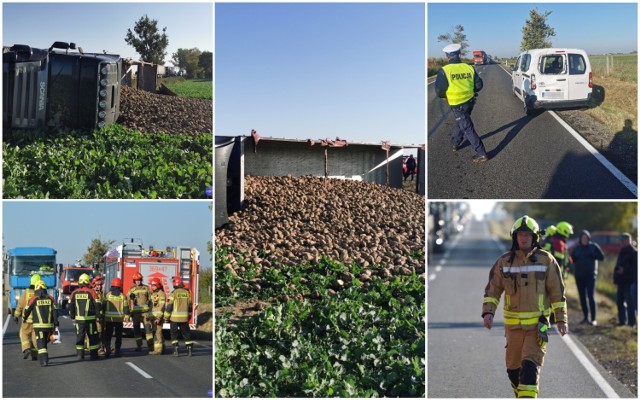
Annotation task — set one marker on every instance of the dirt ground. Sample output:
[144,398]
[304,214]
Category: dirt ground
[620,148]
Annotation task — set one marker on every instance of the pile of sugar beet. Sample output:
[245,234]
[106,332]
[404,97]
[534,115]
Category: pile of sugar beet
[299,220]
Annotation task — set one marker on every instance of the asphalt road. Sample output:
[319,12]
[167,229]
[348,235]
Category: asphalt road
[166,376]
[531,156]
[465,360]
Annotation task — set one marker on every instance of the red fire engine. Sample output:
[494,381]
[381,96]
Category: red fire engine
[131,257]
[68,281]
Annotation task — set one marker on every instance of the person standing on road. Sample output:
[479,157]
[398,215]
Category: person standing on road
[115,311]
[140,299]
[585,260]
[45,319]
[158,302]
[27,335]
[178,313]
[625,276]
[84,307]
[459,83]
[532,284]
[97,285]
[557,246]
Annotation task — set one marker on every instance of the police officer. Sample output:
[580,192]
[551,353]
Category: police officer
[158,301]
[178,313]
[140,299]
[116,309]
[45,319]
[84,308]
[27,335]
[532,284]
[458,83]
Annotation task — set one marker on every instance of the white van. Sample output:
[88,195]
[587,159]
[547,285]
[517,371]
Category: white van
[552,78]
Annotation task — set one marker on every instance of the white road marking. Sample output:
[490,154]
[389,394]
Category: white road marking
[203,345]
[6,324]
[633,188]
[593,372]
[138,370]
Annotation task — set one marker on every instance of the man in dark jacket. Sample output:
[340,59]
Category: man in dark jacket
[625,275]
[585,259]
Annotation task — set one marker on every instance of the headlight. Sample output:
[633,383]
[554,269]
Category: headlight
[103,93]
[102,114]
[104,70]
[102,104]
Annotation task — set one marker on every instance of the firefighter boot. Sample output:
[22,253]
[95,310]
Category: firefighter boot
[34,355]
[514,377]
[138,344]
[175,350]
[150,345]
[528,386]
[79,354]
[26,353]
[94,354]
[117,352]
[189,347]
[44,359]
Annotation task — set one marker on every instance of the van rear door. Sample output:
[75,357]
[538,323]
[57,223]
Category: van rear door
[579,76]
[552,78]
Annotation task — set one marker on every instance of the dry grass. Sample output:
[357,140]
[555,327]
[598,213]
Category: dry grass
[620,104]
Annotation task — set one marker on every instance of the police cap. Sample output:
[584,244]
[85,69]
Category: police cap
[452,50]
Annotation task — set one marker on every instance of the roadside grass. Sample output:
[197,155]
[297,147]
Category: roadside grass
[196,88]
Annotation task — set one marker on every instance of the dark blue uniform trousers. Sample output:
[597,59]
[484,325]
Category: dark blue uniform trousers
[465,128]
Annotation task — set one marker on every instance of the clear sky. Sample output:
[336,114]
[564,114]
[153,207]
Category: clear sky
[69,226]
[496,28]
[103,26]
[321,70]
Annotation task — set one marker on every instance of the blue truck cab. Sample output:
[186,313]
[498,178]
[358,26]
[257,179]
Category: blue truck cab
[22,263]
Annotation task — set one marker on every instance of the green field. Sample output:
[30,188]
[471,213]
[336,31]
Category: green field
[196,88]
[307,340]
[112,163]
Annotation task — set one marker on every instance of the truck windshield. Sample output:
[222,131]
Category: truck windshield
[72,275]
[25,265]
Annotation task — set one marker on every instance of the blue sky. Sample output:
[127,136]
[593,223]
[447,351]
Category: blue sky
[103,26]
[496,28]
[69,226]
[353,70]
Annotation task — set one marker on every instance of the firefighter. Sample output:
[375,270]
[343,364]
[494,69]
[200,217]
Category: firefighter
[27,335]
[45,319]
[158,301]
[532,283]
[178,313]
[116,309]
[84,308]
[458,82]
[557,245]
[140,298]
[97,285]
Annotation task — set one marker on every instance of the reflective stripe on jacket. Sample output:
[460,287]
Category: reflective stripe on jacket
[178,307]
[115,307]
[42,308]
[158,302]
[23,301]
[84,304]
[461,88]
[532,288]
[140,304]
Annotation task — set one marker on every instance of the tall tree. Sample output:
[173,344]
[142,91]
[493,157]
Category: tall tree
[457,36]
[148,41]
[536,32]
[205,63]
[188,59]
[96,251]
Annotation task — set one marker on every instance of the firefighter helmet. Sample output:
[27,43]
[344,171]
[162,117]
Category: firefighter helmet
[84,279]
[97,280]
[564,228]
[551,230]
[155,282]
[177,281]
[137,276]
[116,282]
[35,278]
[40,285]
[526,224]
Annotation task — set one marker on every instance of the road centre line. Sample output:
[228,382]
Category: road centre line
[633,188]
[6,324]
[138,370]
[591,369]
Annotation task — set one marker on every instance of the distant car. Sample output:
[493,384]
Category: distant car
[608,241]
[552,78]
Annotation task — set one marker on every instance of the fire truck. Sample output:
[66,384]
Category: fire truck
[131,257]
[68,281]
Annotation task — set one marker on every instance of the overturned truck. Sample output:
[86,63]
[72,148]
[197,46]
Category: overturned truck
[52,88]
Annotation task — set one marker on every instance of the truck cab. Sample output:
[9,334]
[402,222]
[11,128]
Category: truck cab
[22,263]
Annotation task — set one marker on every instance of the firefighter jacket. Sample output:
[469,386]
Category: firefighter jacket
[42,308]
[116,306]
[140,297]
[178,307]
[158,302]
[100,294]
[532,285]
[84,304]
[557,246]
[23,301]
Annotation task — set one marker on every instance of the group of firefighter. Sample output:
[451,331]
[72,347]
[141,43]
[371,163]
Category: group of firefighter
[98,316]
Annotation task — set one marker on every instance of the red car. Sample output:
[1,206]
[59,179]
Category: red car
[608,241]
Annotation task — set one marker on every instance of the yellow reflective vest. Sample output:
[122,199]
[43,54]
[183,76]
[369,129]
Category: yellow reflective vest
[461,87]
[532,286]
